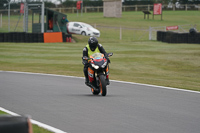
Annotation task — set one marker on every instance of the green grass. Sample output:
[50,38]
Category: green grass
[143,61]
[36,129]
[150,62]
[128,19]
[2,113]
[136,19]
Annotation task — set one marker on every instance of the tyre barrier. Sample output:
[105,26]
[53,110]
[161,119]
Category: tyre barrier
[12,124]
[20,37]
[1,37]
[174,37]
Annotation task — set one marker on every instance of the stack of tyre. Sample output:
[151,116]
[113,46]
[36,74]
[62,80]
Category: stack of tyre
[1,37]
[174,37]
[19,37]
[64,37]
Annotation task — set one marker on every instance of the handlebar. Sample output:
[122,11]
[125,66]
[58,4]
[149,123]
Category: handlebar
[87,58]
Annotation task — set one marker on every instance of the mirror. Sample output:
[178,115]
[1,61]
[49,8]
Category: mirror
[85,58]
[110,54]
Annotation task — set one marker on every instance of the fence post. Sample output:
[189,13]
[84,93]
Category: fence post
[120,33]
[8,16]
[150,32]
[174,7]
[72,9]
[185,7]
[1,21]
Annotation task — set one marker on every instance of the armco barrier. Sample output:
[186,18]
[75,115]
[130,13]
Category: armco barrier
[173,37]
[20,37]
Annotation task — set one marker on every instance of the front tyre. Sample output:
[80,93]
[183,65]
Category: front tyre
[102,85]
[83,33]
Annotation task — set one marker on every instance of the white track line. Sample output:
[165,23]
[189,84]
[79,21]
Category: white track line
[156,86]
[52,129]
[163,87]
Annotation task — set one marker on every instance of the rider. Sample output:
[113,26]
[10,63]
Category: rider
[93,47]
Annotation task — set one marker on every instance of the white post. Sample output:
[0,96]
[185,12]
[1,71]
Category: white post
[42,19]
[1,20]
[8,16]
[120,33]
[82,8]
[24,17]
[150,32]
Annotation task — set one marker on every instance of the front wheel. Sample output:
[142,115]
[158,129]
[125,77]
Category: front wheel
[83,33]
[102,85]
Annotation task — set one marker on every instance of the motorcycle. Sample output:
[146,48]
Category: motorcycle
[97,73]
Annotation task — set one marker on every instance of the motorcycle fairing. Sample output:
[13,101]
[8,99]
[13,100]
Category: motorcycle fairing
[90,74]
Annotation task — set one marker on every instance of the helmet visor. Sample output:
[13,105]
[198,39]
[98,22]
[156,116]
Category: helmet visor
[93,47]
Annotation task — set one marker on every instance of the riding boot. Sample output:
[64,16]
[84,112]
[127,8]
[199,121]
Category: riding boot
[107,76]
[107,81]
[85,70]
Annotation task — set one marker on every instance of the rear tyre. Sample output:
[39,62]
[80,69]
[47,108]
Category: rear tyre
[102,85]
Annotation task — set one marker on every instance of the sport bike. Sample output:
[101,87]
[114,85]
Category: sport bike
[97,72]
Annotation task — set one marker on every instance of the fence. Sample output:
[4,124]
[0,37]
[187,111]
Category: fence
[122,33]
[172,7]
[86,9]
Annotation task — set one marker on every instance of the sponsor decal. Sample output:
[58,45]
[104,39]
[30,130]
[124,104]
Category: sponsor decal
[75,29]
[172,27]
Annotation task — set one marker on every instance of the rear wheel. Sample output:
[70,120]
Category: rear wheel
[102,85]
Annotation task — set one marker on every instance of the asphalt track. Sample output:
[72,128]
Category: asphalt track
[67,104]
